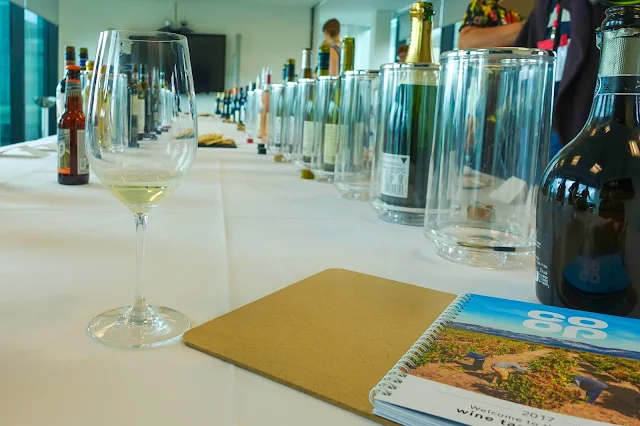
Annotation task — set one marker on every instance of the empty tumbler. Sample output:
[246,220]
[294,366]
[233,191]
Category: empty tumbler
[305,125]
[403,141]
[356,134]
[492,138]
[276,110]
[288,120]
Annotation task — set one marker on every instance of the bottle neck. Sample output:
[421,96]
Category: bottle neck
[420,43]
[618,88]
[73,95]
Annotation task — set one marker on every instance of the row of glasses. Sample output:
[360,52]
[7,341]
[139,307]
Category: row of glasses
[456,147]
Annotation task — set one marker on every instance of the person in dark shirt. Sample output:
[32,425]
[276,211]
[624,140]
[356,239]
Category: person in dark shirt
[487,24]
[569,28]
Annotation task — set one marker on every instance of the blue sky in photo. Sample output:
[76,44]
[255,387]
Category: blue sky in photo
[509,315]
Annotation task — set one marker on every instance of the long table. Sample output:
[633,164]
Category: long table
[239,227]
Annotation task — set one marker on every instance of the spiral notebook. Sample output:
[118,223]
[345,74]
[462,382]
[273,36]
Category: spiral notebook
[488,361]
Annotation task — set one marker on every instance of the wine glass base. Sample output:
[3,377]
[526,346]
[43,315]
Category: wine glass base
[113,328]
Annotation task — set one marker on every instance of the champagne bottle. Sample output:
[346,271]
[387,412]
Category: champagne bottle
[588,226]
[330,146]
[406,147]
[73,164]
[143,88]
[309,125]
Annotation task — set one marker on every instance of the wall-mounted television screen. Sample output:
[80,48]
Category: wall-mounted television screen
[207,53]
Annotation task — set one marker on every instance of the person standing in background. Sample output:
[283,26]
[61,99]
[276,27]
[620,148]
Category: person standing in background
[401,54]
[331,30]
[487,24]
[569,28]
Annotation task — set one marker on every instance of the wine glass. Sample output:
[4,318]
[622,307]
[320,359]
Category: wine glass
[141,140]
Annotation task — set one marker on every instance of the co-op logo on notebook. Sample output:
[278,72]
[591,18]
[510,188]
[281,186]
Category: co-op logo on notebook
[572,327]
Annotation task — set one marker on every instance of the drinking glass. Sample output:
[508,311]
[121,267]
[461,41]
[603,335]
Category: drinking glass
[492,138]
[141,176]
[356,134]
[325,141]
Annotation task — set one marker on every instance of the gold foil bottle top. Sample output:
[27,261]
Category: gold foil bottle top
[421,15]
[422,10]
[89,65]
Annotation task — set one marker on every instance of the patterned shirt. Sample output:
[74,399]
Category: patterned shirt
[488,13]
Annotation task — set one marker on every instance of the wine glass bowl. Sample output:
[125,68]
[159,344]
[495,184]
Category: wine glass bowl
[141,141]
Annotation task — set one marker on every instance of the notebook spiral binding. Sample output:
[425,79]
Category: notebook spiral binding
[399,371]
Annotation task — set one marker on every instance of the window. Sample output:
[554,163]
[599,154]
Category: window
[28,64]
[5,92]
[34,73]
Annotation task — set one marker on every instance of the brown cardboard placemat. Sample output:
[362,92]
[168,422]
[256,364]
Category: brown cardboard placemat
[333,335]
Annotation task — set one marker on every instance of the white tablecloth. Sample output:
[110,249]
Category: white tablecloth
[240,227]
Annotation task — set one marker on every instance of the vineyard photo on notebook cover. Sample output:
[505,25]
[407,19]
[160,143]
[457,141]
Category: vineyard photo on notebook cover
[490,361]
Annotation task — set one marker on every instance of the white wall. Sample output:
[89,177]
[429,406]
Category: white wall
[269,33]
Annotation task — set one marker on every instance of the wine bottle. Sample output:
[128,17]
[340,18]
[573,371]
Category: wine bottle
[291,71]
[86,89]
[264,113]
[143,88]
[132,105]
[69,59]
[406,147]
[236,107]
[73,163]
[588,211]
[330,145]
[218,112]
[309,125]
[156,127]
[306,63]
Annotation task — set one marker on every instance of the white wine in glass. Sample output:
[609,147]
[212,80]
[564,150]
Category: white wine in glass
[140,175]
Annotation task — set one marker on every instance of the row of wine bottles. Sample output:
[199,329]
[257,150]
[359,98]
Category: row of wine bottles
[145,106]
[588,205]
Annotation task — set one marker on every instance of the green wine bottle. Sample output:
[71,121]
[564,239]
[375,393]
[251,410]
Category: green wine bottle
[309,125]
[330,145]
[406,147]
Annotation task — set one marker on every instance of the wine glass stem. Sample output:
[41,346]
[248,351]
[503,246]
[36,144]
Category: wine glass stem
[140,310]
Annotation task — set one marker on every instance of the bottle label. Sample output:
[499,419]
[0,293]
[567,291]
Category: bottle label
[141,115]
[308,132]
[81,149]
[394,175]
[64,151]
[134,105]
[360,138]
[277,131]
[65,166]
[330,143]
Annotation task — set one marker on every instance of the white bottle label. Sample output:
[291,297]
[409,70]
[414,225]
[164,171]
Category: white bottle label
[83,160]
[308,132]
[134,106]
[277,131]
[141,115]
[394,175]
[330,144]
